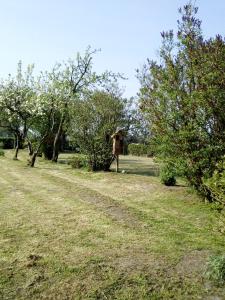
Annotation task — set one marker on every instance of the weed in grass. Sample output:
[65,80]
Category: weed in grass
[216,269]
[217,206]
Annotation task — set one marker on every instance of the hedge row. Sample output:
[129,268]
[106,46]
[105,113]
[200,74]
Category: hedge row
[79,162]
[139,150]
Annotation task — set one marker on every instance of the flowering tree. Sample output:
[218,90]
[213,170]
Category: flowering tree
[72,79]
[47,103]
[16,104]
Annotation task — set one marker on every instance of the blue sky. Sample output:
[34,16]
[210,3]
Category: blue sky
[127,31]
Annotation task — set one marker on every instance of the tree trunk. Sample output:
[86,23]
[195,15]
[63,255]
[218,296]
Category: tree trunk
[16,148]
[30,148]
[57,140]
[33,159]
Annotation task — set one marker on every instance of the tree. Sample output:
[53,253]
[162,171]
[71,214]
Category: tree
[16,104]
[72,79]
[183,96]
[47,102]
[94,120]
[137,124]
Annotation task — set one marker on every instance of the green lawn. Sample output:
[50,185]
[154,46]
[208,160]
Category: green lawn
[72,234]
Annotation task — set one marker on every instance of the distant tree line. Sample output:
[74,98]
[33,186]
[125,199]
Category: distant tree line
[70,102]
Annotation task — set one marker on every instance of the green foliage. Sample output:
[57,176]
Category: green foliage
[216,269]
[7,142]
[139,149]
[167,175]
[79,162]
[94,120]
[137,126]
[16,101]
[35,144]
[183,96]
[216,184]
[2,153]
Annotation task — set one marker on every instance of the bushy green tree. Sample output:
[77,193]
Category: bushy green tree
[137,125]
[216,183]
[94,120]
[184,97]
[74,79]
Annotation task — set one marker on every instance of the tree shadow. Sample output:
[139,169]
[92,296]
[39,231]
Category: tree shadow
[147,171]
[137,167]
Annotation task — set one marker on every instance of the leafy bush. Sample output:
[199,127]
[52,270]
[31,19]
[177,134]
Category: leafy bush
[93,122]
[167,175]
[2,153]
[139,150]
[79,162]
[216,269]
[7,142]
[185,123]
[216,184]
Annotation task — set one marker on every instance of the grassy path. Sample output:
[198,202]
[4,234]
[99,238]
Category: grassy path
[68,234]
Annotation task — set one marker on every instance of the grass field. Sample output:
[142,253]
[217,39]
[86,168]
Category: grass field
[72,234]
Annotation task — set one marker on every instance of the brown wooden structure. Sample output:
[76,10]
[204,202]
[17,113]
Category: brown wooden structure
[117,146]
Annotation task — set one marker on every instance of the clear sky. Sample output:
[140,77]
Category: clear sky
[127,31]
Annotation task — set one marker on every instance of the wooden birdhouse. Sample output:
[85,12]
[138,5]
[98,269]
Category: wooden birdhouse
[117,142]
[117,146]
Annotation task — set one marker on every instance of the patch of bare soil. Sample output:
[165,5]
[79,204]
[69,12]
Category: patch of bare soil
[137,260]
[192,263]
[108,206]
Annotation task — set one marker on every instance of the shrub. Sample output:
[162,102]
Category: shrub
[78,162]
[2,153]
[7,142]
[93,122]
[167,175]
[139,150]
[216,269]
[176,97]
[216,184]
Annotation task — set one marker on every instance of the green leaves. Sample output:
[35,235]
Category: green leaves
[216,269]
[93,121]
[183,96]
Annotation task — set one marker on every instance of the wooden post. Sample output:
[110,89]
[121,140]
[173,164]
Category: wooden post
[117,163]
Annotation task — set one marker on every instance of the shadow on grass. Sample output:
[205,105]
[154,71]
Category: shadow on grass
[138,166]
[147,171]
[135,166]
